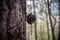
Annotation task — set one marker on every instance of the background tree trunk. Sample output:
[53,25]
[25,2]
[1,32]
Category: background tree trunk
[47,26]
[35,21]
[59,19]
[52,27]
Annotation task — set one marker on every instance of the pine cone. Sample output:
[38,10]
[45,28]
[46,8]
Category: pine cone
[31,18]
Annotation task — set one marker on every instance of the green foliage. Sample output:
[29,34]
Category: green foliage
[41,31]
[41,10]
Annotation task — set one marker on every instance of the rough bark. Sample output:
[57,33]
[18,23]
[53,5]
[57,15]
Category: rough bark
[3,17]
[23,5]
[11,20]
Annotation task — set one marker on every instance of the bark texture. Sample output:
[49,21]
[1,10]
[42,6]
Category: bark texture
[12,24]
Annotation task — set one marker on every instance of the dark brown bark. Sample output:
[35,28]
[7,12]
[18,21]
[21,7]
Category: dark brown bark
[11,20]
[3,17]
[23,5]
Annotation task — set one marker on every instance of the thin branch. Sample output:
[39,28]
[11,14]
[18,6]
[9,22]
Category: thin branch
[54,19]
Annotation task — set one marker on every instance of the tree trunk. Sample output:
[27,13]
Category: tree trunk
[52,27]
[11,22]
[23,5]
[47,26]
[53,35]
[30,32]
[35,21]
[59,19]
[3,17]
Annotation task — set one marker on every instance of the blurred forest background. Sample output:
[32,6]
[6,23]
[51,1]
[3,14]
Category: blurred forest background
[29,19]
[47,28]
